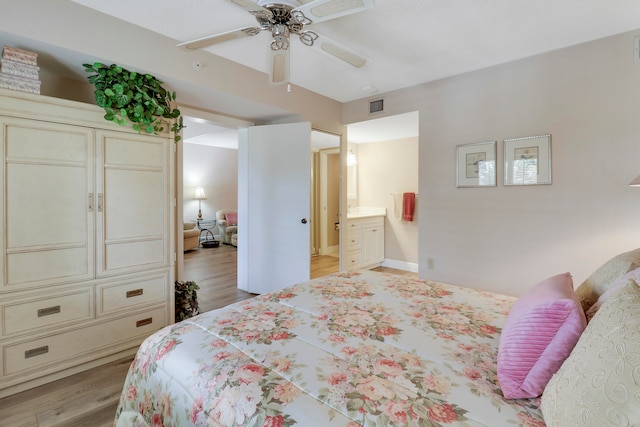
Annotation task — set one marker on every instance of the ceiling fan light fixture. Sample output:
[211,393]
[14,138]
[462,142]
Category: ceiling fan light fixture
[285,17]
[299,18]
[308,37]
[279,67]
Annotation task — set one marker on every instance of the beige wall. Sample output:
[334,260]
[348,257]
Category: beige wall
[385,168]
[216,170]
[508,238]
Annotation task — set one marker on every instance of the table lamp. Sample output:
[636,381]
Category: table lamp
[200,196]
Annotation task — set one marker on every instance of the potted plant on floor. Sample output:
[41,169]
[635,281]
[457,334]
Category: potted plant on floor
[186,300]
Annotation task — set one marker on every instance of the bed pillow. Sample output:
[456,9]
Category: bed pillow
[617,284]
[601,279]
[541,329]
[599,383]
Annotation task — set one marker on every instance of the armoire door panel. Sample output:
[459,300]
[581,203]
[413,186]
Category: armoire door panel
[135,151]
[46,208]
[44,266]
[133,205]
[124,255]
[34,140]
[48,177]
[133,178]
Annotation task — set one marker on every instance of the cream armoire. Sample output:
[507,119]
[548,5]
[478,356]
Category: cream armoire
[87,213]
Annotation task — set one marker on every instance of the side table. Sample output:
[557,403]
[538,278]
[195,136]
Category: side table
[207,238]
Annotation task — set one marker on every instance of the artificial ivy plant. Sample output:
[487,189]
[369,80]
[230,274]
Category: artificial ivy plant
[138,98]
[186,300]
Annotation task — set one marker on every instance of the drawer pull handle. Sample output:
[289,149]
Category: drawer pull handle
[134,293]
[36,351]
[48,311]
[144,322]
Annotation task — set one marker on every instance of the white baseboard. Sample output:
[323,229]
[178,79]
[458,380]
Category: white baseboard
[400,265]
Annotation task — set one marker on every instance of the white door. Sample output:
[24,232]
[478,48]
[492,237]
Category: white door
[273,206]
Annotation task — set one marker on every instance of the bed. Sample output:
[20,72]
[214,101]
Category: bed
[350,349]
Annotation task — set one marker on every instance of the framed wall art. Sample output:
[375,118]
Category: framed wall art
[476,164]
[527,160]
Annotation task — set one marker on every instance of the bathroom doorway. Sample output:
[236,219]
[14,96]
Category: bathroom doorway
[325,203]
[384,157]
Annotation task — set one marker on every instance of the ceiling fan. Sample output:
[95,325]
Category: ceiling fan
[284,18]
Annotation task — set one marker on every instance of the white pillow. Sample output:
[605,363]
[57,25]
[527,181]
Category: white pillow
[599,383]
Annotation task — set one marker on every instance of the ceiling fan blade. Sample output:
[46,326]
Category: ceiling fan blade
[254,8]
[323,10]
[337,50]
[279,67]
[219,38]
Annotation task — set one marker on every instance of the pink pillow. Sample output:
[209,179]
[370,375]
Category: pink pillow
[541,329]
[232,218]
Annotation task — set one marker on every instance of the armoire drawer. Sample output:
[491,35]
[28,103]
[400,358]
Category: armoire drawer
[134,293]
[43,313]
[64,349]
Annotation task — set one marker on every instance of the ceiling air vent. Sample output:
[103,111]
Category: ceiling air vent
[376,106]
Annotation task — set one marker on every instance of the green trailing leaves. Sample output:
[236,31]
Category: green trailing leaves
[186,300]
[139,99]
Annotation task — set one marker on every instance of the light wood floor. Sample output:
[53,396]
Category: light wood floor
[90,398]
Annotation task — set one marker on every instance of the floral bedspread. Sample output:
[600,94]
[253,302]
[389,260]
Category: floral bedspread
[349,349]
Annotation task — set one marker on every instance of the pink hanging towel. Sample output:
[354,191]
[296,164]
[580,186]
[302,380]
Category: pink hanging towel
[409,204]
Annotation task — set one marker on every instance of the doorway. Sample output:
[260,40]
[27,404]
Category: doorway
[325,203]
[219,133]
[385,155]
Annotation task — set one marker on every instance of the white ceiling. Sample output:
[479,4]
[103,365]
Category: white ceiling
[407,42]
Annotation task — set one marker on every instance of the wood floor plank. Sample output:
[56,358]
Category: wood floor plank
[20,420]
[96,402]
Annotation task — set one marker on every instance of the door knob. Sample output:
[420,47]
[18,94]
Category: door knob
[304,220]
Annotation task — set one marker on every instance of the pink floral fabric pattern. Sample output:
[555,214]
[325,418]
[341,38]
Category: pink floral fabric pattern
[350,349]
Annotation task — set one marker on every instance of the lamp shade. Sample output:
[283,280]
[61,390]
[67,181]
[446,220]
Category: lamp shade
[200,194]
[635,182]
